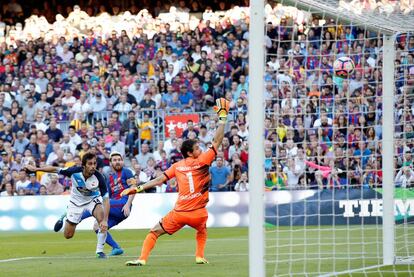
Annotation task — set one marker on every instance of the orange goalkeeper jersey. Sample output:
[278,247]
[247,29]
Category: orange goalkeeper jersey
[193,179]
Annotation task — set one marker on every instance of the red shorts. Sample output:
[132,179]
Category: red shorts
[174,220]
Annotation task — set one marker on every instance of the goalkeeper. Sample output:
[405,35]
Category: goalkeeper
[193,179]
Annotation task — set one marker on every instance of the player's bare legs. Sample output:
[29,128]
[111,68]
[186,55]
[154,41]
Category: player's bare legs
[98,213]
[69,231]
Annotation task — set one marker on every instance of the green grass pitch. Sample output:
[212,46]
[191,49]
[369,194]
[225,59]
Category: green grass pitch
[49,254]
[53,255]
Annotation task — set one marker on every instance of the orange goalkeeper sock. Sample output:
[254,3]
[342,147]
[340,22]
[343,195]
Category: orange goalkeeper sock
[201,238]
[149,243]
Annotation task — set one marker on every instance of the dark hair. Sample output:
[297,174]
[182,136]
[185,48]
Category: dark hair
[187,146]
[87,157]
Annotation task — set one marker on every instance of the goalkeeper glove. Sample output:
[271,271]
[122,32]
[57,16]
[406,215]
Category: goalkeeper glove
[222,109]
[132,190]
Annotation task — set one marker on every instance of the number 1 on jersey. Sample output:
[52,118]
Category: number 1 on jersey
[190,181]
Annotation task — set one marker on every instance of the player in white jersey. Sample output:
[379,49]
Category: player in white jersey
[88,191]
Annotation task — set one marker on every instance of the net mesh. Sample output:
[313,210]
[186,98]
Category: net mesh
[385,15]
[323,138]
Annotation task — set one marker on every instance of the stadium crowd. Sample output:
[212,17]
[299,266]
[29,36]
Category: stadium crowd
[94,81]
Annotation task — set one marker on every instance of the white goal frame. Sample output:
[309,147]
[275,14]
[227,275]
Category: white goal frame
[390,26]
[256,141]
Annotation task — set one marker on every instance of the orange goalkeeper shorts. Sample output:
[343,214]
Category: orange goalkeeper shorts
[174,220]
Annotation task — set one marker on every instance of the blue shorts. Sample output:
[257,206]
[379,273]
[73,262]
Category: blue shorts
[116,215]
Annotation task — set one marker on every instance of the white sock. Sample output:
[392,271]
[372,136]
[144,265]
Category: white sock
[101,241]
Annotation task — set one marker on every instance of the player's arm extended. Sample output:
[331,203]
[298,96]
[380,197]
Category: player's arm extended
[219,135]
[49,169]
[137,189]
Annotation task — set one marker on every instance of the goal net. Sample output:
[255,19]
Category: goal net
[338,151]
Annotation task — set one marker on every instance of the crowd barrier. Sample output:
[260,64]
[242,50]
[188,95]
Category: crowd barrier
[226,209]
[162,120]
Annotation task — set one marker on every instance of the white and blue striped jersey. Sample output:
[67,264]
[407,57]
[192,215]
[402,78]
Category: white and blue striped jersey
[84,191]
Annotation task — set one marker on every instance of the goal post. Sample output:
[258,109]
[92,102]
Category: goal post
[332,200]
[256,126]
[388,151]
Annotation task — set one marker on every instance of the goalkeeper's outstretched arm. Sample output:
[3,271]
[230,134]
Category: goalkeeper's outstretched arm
[137,189]
[156,182]
[219,135]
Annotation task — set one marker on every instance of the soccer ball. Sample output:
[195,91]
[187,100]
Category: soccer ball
[343,67]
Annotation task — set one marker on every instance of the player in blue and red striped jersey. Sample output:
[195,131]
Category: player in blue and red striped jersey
[119,179]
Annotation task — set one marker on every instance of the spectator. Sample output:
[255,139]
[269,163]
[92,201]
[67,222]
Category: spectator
[137,89]
[293,173]
[33,147]
[73,136]
[81,107]
[123,107]
[147,104]
[129,129]
[42,82]
[20,143]
[17,164]
[23,182]
[174,106]
[98,104]
[146,128]
[20,125]
[9,190]
[53,156]
[204,137]
[29,111]
[138,173]
[190,128]
[242,184]
[39,123]
[405,177]
[53,132]
[53,187]
[186,99]
[67,146]
[116,145]
[168,144]
[33,188]
[220,176]
[66,55]
[68,100]
[42,190]
[144,156]
[236,145]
